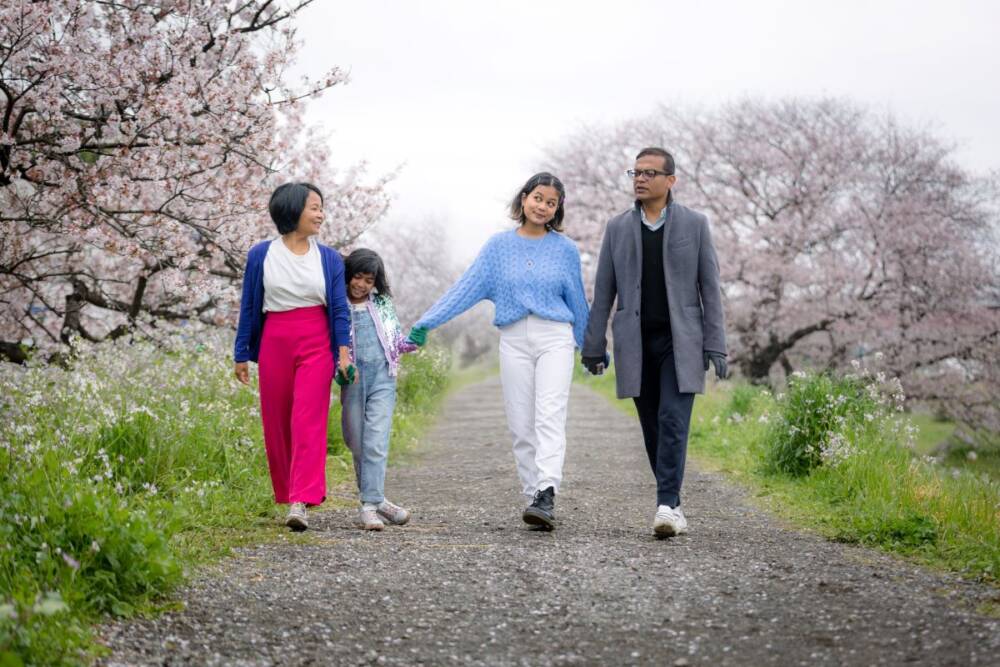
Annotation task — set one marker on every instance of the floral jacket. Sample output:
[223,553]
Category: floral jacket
[390,333]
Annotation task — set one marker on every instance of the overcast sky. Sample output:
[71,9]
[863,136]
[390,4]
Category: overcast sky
[465,95]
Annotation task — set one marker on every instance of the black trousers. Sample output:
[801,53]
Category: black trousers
[665,417]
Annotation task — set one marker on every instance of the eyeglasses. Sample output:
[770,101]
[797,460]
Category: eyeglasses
[648,173]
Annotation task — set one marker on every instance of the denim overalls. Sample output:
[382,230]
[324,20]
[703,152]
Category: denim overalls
[367,407]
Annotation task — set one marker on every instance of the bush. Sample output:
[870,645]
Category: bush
[42,631]
[822,418]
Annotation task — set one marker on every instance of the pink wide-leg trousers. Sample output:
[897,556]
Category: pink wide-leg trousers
[296,369]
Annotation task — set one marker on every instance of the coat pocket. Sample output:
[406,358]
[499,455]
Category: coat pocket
[693,320]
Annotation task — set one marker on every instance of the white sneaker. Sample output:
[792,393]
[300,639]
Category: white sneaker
[297,519]
[669,521]
[367,519]
[393,513]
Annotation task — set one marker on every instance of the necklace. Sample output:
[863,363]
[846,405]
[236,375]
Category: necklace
[534,244]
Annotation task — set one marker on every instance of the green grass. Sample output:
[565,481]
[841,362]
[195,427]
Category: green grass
[133,467]
[932,431]
[878,491]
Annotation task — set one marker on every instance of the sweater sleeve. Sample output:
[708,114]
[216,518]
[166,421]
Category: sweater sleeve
[241,347]
[471,288]
[575,296]
[338,306]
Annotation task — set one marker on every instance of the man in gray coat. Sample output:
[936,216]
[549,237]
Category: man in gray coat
[658,264]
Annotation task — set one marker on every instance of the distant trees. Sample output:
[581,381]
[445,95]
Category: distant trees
[841,233]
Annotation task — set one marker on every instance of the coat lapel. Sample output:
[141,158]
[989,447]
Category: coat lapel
[637,240]
[667,231]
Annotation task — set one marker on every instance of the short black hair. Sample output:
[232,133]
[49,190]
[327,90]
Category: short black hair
[668,159]
[287,203]
[541,178]
[364,260]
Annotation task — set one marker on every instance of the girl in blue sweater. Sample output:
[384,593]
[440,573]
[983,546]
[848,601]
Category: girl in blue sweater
[532,276]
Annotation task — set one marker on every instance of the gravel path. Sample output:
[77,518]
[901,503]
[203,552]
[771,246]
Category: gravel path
[468,584]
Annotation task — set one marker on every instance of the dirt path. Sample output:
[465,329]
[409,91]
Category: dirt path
[468,584]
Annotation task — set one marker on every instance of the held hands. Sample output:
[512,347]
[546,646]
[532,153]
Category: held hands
[719,361]
[344,378]
[346,371]
[243,372]
[596,365]
[418,336]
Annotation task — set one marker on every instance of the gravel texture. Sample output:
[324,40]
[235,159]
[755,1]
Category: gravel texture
[467,583]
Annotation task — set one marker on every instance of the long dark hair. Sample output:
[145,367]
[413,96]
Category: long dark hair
[542,178]
[364,260]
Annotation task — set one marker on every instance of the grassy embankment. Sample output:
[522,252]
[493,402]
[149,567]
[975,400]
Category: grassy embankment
[838,455]
[125,472]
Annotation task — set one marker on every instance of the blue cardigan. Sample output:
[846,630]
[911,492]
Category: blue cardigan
[251,325]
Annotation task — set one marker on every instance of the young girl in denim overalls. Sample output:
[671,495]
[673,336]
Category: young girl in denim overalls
[377,343]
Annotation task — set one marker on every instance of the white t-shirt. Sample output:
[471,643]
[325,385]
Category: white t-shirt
[293,281]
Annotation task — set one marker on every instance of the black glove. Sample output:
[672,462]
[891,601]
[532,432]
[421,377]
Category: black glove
[719,361]
[595,365]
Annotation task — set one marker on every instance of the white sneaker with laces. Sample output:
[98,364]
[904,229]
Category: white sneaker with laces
[393,513]
[669,522]
[368,519]
[297,519]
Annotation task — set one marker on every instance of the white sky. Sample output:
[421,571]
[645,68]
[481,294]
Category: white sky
[466,94]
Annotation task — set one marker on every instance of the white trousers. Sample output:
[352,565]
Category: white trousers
[536,370]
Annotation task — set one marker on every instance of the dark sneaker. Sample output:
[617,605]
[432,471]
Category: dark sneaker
[541,511]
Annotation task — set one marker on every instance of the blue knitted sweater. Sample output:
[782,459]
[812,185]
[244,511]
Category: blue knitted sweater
[521,277]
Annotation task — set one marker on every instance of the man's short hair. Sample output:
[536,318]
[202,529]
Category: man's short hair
[668,159]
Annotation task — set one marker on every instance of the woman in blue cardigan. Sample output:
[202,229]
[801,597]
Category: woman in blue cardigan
[532,276]
[294,321]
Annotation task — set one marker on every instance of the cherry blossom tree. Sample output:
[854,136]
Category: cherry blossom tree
[840,232]
[138,144]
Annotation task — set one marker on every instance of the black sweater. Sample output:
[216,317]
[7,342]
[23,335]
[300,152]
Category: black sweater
[655,316]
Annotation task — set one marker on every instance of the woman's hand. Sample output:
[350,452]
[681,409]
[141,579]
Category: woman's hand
[243,372]
[345,369]
[418,336]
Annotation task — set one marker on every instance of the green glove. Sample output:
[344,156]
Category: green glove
[343,380]
[418,336]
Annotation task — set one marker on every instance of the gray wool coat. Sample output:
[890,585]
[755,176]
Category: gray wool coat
[693,294]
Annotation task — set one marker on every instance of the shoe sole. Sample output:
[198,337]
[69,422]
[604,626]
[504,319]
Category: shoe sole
[296,524]
[663,531]
[370,526]
[533,517]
